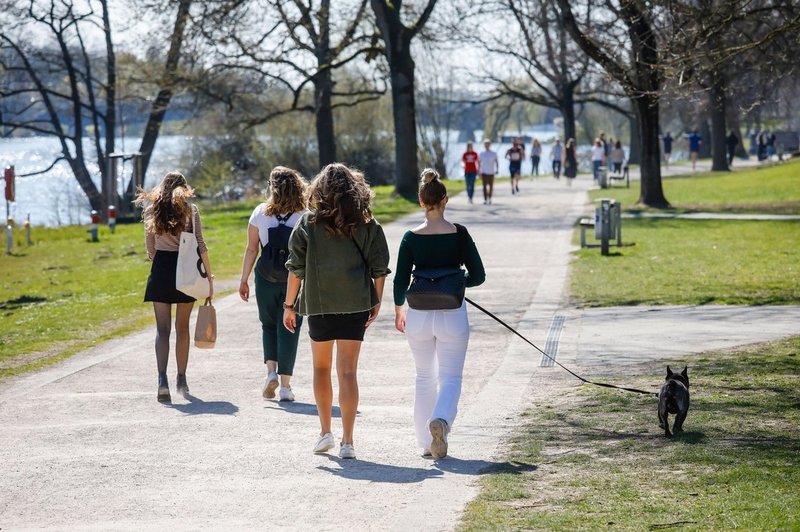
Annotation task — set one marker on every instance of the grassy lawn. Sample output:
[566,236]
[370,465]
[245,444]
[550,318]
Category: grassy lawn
[65,293]
[771,189]
[591,459]
[678,261]
[673,261]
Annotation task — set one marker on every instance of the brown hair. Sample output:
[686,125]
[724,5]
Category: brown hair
[287,192]
[431,189]
[166,208]
[340,199]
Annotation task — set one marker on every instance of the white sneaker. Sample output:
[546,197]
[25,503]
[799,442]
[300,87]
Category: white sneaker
[347,451]
[438,428]
[269,386]
[426,453]
[286,394]
[325,443]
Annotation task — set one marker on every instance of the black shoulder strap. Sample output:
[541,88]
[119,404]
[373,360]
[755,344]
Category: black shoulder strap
[283,219]
[463,243]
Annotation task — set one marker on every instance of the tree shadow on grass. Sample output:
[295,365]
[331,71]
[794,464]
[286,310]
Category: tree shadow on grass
[197,406]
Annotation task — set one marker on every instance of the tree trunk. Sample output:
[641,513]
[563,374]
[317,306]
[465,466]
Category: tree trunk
[405,128]
[567,108]
[97,200]
[651,191]
[326,140]
[161,103]
[719,148]
[634,151]
[705,133]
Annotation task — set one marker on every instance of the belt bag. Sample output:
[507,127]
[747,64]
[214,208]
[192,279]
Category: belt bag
[436,289]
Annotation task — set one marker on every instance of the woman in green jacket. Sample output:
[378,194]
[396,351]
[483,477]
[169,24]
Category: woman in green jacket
[335,253]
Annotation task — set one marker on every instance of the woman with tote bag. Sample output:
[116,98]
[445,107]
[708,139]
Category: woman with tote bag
[167,214]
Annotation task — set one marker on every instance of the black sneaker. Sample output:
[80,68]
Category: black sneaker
[163,389]
[181,385]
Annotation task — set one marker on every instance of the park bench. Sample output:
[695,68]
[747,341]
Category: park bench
[614,225]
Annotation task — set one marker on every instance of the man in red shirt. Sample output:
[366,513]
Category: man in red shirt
[470,163]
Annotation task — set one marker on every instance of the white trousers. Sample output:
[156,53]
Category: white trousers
[438,340]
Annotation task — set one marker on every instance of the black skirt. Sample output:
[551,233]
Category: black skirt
[161,282]
[327,327]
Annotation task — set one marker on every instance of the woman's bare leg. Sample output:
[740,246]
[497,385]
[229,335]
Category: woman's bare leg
[347,352]
[322,354]
[182,315]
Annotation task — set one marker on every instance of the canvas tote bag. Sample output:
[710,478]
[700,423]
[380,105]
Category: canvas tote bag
[205,330]
[191,277]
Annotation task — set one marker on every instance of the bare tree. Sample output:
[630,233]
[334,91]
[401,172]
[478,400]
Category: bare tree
[397,38]
[297,44]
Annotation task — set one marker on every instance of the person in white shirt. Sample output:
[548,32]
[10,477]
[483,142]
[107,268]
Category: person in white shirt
[555,154]
[489,167]
[598,157]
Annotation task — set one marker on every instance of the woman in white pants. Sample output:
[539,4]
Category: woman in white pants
[438,338]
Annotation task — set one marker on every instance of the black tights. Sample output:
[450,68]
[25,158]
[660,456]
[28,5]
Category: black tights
[163,313]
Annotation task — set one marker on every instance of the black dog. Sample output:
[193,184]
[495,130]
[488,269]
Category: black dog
[674,399]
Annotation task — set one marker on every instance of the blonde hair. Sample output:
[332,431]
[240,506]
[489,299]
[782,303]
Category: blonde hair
[165,207]
[431,189]
[287,192]
[340,198]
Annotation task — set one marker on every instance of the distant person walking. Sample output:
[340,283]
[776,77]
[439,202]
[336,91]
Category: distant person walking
[469,160]
[556,154]
[437,338]
[536,156]
[335,253]
[489,168]
[770,144]
[268,230]
[731,141]
[515,155]
[761,138]
[570,161]
[598,158]
[166,214]
[617,157]
[667,142]
[695,141]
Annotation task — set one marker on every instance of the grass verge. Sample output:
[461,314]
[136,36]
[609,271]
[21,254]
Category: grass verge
[65,293]
[593,459]
[676,261]
[770,189]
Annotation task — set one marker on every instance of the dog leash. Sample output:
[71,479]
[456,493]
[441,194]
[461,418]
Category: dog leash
[587,381]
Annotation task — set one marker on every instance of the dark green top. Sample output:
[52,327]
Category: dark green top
[434,251]
[331,268]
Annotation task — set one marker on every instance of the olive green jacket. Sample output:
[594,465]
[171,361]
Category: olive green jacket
[333,274]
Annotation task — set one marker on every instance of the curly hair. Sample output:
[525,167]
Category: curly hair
[431,189]
[165,207]
[340,198]
[287,192]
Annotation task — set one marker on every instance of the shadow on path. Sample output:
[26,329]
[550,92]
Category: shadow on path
[375,472]
[481,467]
[197,406]
[293,407]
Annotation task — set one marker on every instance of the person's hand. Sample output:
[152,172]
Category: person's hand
[290,320]
[373,314]
[400,319]
[244,291]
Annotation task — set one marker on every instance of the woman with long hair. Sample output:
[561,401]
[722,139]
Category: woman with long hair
[336,252]
[166,214]
[570,161]
[285,205]
[437,338]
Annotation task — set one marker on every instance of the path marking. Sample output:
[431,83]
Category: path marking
[553,336]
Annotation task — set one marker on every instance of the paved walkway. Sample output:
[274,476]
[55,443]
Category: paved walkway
[86,446]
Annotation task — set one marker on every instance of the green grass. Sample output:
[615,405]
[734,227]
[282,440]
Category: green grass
[677,261]
[65,293]
[596,459]
[771,189]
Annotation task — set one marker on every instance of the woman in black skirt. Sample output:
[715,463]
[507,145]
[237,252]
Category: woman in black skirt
[166,213]
[335,253]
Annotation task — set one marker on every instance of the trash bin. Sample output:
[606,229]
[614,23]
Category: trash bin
[602,176]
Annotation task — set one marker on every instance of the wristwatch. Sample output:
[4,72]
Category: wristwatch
[287,306]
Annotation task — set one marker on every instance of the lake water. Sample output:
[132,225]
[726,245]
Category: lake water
[54,198]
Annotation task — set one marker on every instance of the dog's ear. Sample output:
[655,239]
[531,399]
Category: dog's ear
[685,371]
[669,372]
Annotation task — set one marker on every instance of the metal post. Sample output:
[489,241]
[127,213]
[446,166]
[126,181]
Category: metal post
[93,228]
[618,222]
[9,237]
[28,230]
[605,225]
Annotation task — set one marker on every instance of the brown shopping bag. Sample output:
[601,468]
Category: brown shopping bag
[205,331]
